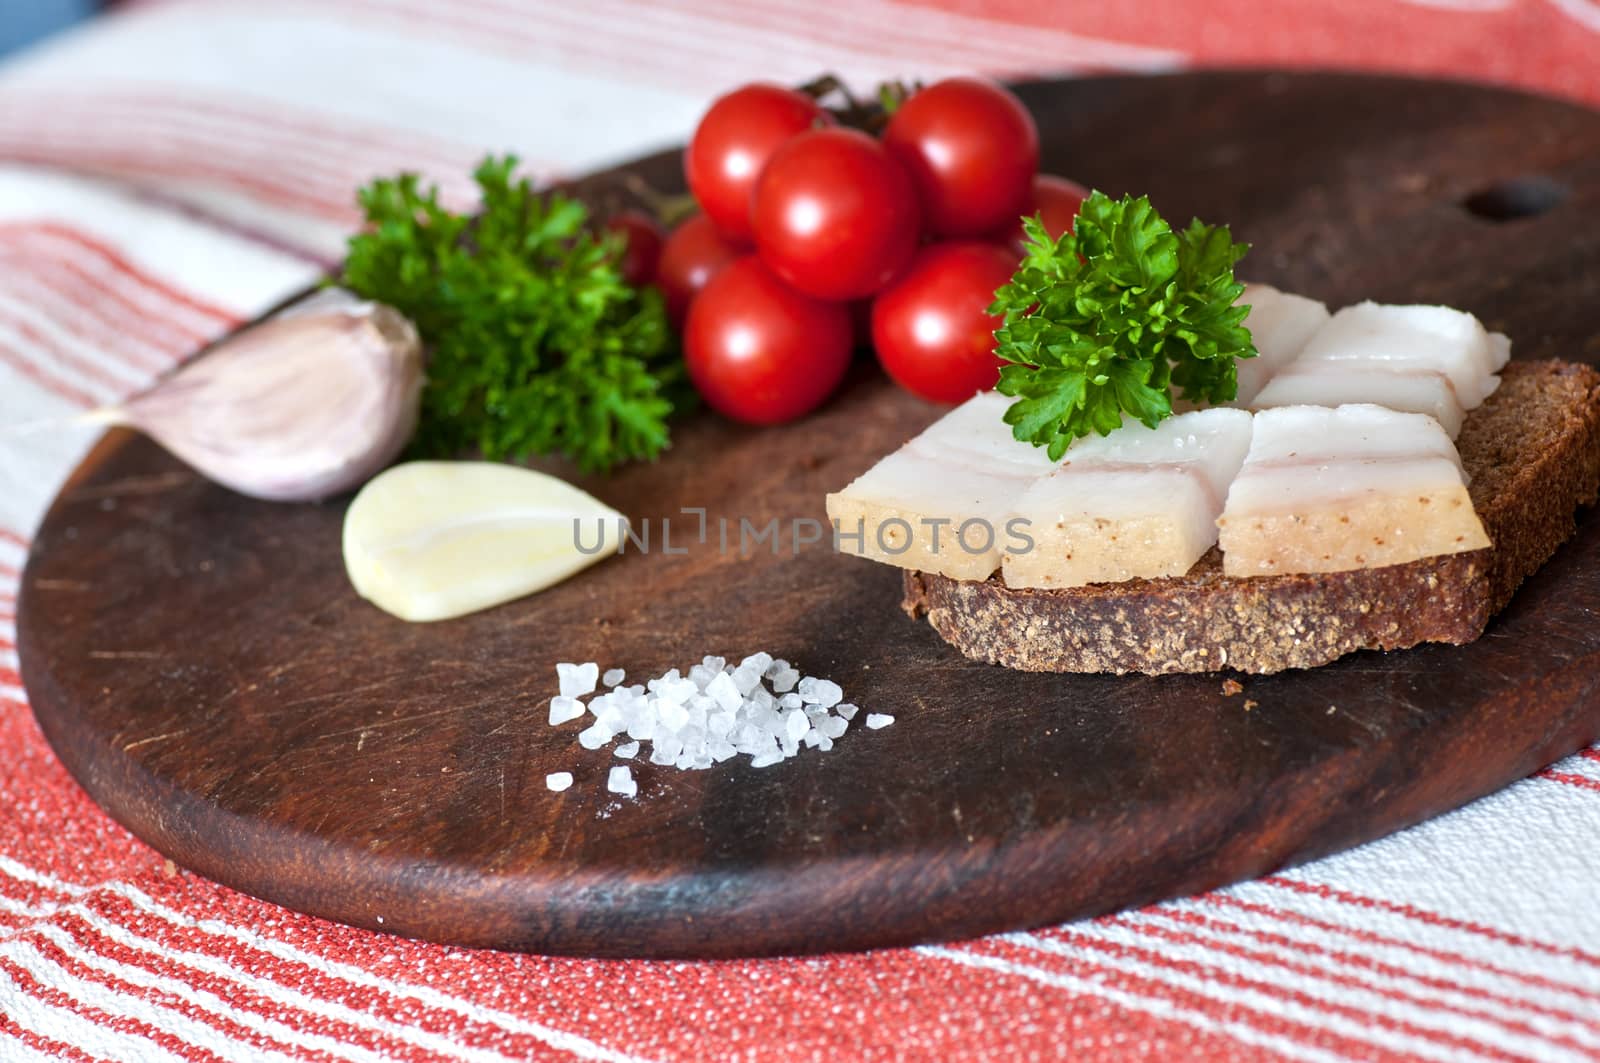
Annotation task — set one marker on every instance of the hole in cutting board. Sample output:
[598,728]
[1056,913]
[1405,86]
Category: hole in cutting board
[1519,197]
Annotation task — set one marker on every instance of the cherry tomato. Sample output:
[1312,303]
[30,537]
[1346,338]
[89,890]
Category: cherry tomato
[761,352]
[692,255]
[835,216]
[932,328]
[1056,200]
[642,246]
[972,148]
[733,142]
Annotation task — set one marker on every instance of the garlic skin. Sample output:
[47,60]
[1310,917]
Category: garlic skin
[308,403]
[431,540]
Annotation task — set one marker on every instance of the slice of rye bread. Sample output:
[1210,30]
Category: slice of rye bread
[1533,452]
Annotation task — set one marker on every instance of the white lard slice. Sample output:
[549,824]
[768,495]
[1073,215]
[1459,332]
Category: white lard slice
[1280,323]
[910,507]
[1357,486]
[1141,502]
[1339,384]
[1417,359]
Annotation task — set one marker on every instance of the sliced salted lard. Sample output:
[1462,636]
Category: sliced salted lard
[1417,359]
[1280,323]
[1356,486]
[941,502]
[1141,502]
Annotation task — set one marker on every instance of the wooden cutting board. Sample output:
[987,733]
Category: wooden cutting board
[202,666]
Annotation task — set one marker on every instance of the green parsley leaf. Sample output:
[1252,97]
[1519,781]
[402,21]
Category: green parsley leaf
[536,345]
[1108,319]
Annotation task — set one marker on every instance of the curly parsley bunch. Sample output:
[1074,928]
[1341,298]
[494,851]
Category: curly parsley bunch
[537,346]
[1107,319]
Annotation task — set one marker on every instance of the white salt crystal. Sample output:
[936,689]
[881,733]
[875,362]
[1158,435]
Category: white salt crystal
[726,693]
[595,736]
[746,680]
[657,756]
[790,701]
[685,761]
[563,709]
[766,759]
[697,717]
[700,675]
[642,727]
[796,724]
[832,726]
[783,681]
[810,739]
[761,698]
[721,749]
[558,780]
[627,750]
[822,692]
[720,723]
[613,677]
[790,746]
[577,679]
[671,717]
[757,662]
[876,720]
[677,691]
[668,746]
[716,664]
[847,710]
[824,743]
[620,781]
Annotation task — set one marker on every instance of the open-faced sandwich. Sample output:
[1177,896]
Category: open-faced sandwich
[1382,476]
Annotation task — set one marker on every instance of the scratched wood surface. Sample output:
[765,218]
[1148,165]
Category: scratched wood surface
[203,668]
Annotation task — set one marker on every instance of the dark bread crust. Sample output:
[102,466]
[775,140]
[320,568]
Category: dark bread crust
[1533,452]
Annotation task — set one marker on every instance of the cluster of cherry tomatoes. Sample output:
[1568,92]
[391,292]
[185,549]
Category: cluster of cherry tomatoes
[810,234]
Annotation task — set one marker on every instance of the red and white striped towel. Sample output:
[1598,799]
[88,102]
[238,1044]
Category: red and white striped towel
[182,164]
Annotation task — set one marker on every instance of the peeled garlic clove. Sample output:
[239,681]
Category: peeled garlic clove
[308,403]
[430,540]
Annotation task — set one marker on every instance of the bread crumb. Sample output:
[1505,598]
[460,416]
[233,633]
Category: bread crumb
[169,869]
[1332,709]
[1248,704]
[1230,687]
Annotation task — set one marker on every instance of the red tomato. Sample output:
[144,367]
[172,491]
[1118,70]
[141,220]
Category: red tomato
[733,142]
[835,215]
[642,245]
[692,255]
[761,352]
[931,327]
[1056,200]
[972,149]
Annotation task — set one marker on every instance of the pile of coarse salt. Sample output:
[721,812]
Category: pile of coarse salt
[716,712]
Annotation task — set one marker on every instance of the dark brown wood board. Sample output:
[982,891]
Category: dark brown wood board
[202,666]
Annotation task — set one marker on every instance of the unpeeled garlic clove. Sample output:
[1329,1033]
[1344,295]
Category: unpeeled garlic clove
[311,402]
[430,540]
